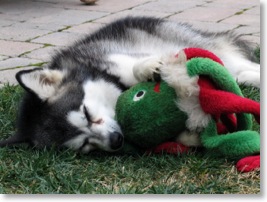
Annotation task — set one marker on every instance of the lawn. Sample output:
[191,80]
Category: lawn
[25,170]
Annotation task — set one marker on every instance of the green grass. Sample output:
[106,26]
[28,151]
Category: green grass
[49,171]
[25,170]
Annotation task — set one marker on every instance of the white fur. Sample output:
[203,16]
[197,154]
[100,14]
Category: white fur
[43,83]
[100,100]
[249,77]
[144,68]
[124,64]
[77,142]
[189,138]
[197,118]
[77,118]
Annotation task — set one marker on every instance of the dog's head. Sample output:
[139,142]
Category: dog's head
[65,109]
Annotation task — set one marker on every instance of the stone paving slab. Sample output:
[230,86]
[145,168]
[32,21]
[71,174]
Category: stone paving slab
[206,14]
[248,30]
[237,3]
[242,5]
[251,20]
[69,17]
[15,48]
[110,6]
[25,10]
[172,6]
[18,62]
[5,22]
[58,38]
[43,54]
[254,11]
[3,57]
[44,27]
[21,33]
[85,28]
[126,13]
[31,30]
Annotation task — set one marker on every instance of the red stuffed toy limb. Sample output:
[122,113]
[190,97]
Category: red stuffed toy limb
[248,163]
[170,148]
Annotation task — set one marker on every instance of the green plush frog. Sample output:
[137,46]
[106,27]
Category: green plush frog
[148,115]
[153,113]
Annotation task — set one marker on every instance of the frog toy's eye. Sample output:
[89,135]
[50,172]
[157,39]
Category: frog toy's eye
[139,95]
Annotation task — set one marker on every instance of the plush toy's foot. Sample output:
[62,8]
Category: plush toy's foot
[170,148]
[88,2]
[248,163]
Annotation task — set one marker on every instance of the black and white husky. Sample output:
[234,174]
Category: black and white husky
[71,101]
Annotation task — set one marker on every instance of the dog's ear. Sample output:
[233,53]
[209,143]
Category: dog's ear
[42,82]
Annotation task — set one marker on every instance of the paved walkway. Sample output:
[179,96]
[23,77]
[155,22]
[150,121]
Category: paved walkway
[30,30]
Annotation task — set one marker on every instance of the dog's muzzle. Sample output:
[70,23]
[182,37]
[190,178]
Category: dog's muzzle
[116,140]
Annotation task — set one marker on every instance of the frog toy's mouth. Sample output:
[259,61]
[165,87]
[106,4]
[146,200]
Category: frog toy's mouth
[157,87]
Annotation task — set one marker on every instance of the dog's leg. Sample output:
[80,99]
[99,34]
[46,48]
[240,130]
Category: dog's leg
[243,70]
[249,78]
[132,70]
[246,72]
[145,68]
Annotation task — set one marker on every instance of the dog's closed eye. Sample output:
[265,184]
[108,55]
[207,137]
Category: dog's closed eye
[87,115]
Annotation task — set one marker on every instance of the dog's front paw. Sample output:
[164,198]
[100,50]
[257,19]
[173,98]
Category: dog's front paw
[148,69]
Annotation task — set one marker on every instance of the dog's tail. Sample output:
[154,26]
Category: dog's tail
[13,140]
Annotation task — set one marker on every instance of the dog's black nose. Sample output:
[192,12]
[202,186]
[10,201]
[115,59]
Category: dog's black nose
[116,140]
